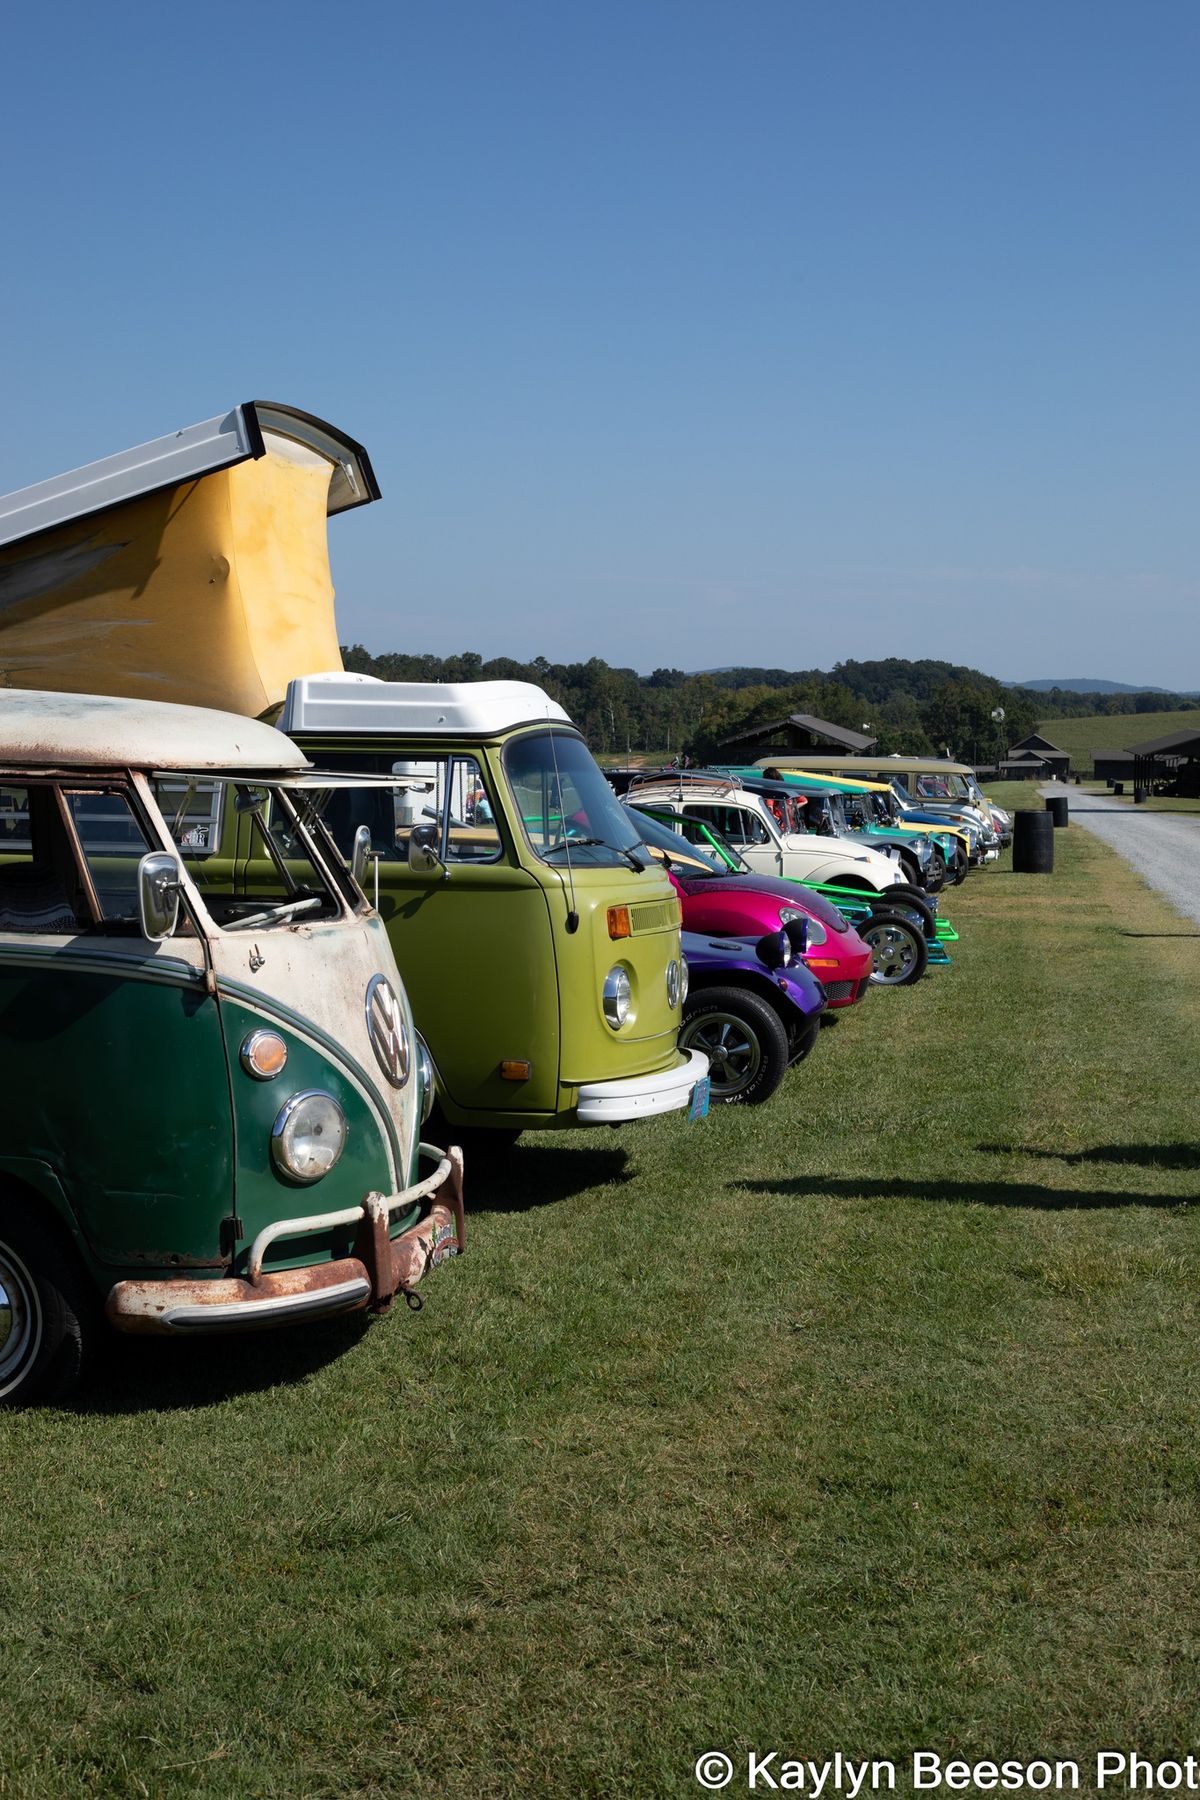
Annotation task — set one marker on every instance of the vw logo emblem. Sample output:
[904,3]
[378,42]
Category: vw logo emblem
[386,1030]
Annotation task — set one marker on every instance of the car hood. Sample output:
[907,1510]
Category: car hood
[785,893]
[739,956]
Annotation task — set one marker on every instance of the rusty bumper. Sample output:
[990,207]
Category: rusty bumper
[380,1268]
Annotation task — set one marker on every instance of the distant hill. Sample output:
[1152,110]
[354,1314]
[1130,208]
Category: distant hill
[1079,684]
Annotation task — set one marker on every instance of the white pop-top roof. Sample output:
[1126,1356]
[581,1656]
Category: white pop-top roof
[47,730]
[362,703]
[233,437]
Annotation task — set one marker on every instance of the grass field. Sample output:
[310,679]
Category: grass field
[865,1420]
[1108,732]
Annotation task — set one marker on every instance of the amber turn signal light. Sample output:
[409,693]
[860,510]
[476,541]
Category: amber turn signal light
[515,1071]
[618,922]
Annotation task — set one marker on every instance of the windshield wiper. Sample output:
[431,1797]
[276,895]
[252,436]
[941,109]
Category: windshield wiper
[288,910]
[585,843]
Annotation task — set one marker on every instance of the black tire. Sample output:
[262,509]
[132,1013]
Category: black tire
[912,868]
[961,866]
[804,1041]
[899,954]
[912,904]
[744,1040]
[935,874]
[46,1310]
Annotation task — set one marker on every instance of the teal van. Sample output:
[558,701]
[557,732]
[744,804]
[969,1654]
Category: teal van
[213,1089]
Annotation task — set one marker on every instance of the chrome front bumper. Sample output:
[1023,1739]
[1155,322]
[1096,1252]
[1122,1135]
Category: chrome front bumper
[380,1268]
[638,1096]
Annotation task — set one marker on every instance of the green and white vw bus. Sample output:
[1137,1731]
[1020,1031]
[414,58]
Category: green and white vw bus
[213,1092]
[539,943]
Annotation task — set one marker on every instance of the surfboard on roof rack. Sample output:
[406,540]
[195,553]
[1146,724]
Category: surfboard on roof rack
[192,568]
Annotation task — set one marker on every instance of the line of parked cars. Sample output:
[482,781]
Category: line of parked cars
[263,979]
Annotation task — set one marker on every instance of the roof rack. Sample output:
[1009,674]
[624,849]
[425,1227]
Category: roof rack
[682,779]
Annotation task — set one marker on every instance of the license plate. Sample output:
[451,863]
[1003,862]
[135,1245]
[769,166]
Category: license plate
[698,1105]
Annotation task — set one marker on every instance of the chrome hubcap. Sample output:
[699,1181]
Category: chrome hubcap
[734,1053]
[893,953]
[20,1318]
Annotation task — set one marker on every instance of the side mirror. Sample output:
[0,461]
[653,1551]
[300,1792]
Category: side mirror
[159,881]
[797,936]
[423,859]
[360,855]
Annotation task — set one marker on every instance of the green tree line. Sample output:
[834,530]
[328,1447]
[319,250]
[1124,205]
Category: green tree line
[918,708]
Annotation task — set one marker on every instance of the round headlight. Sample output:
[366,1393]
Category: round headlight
[618,997]
[672,984]
[308,1136]
[816,931]
[425,1077]
[683,979]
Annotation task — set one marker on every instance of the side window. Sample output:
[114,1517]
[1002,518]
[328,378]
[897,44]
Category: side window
[737,823]
[113,843]
[40,887]
[193,813]
[446,796]
[471,834]
[725,819]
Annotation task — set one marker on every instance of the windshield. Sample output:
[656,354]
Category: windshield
[700,833]
[942,787]
[671,848]
[565,805]
[250,852]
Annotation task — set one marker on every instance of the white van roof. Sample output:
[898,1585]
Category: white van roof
[363,703]
[47,730]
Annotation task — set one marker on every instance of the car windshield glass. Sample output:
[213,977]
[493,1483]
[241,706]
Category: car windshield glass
[248,852]
[566,807]
[673,849]
[707,836]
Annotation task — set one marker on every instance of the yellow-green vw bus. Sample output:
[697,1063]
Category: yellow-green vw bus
[538,942]
[213,1092]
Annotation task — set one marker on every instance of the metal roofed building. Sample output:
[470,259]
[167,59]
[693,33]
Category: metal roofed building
[1173,758]
[1036,757]
[798,731]
[1112,765]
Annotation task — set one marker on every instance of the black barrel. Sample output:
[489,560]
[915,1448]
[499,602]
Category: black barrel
[1033,844]
[1118,787]
[1056,806]
[1139,795]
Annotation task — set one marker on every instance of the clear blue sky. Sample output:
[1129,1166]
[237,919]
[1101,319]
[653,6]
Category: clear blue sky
[679,332]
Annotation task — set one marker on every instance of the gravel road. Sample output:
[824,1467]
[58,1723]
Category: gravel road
[1164,847]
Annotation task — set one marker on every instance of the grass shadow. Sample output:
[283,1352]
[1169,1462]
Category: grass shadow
[136,1374]
[972,1193]
[1158,934]
[1156,1156]
[535,1174]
